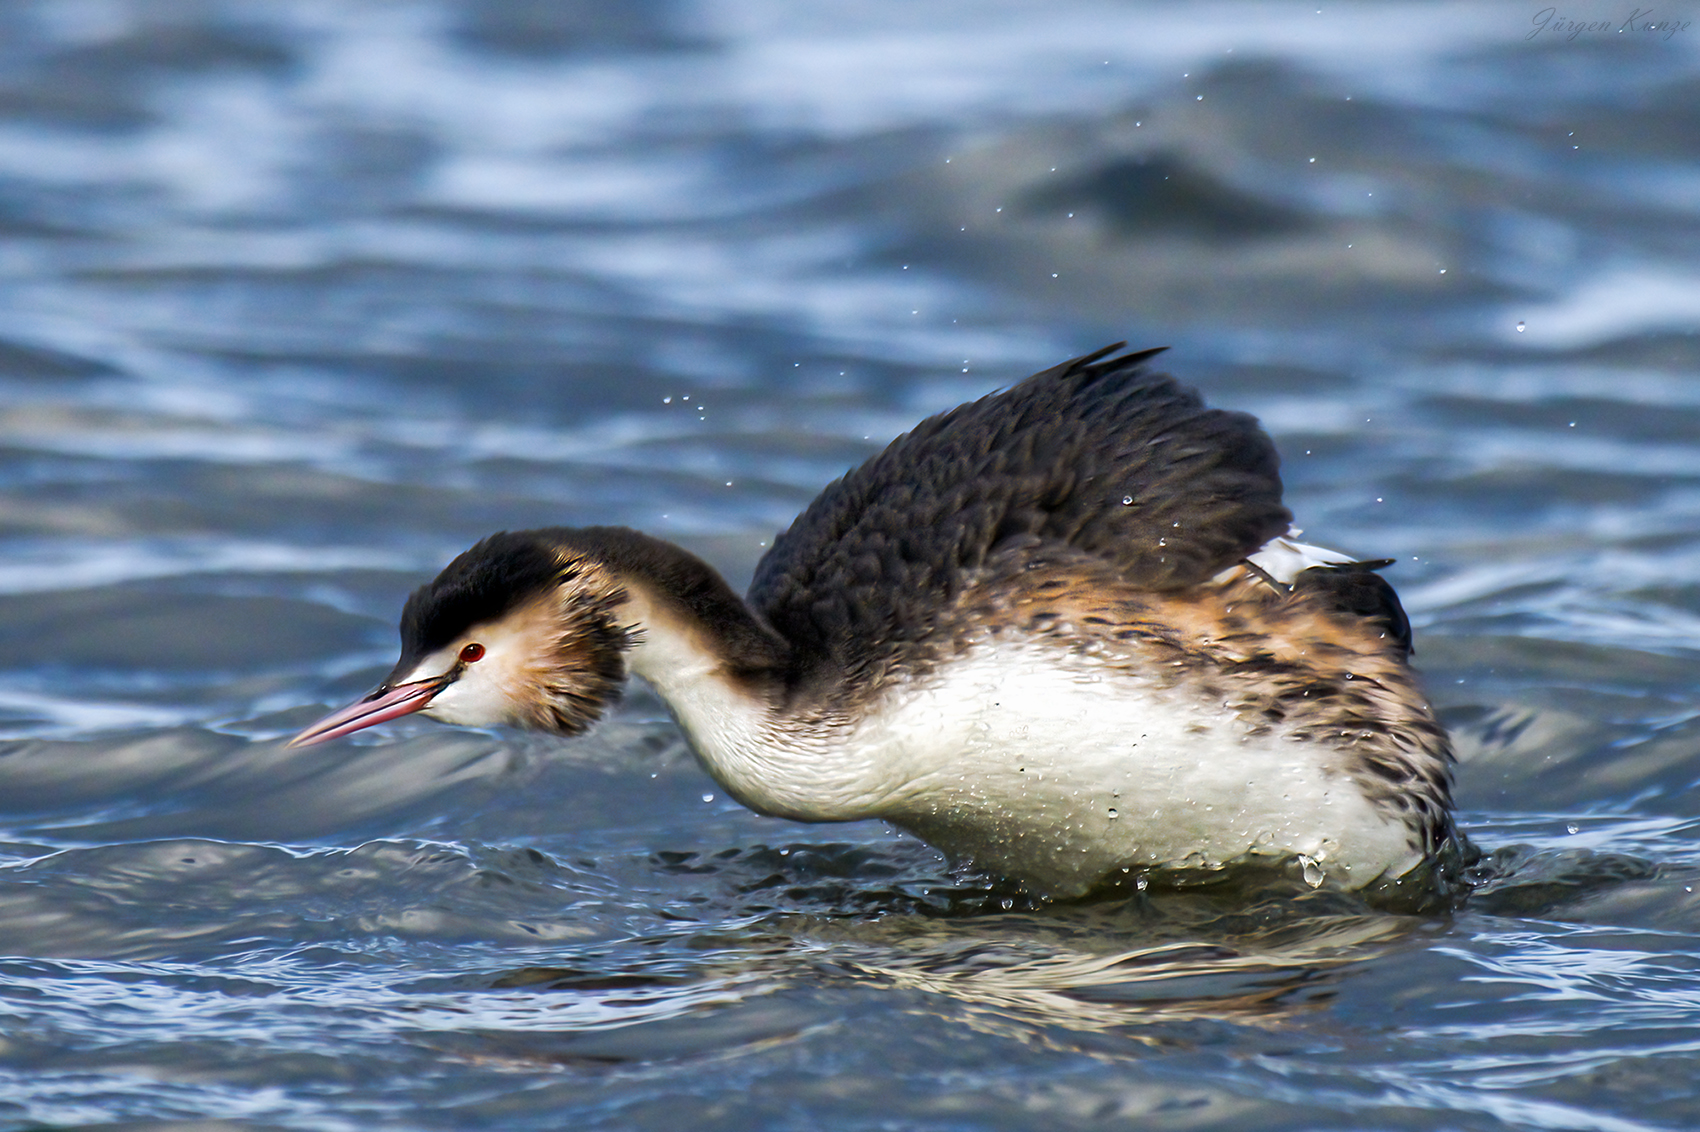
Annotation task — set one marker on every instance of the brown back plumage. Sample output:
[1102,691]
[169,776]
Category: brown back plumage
[1097,455]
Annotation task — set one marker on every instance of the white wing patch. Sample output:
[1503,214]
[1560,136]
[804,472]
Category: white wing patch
[1283,559]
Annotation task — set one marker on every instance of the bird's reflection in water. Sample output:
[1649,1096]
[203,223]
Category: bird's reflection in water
[1118,966]
[1128,965]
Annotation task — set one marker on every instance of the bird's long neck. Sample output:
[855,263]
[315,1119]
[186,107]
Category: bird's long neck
[721,670]
[723,702]
[678,596]
[728,679]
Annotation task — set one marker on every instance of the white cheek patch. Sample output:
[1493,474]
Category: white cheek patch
[498,687]
[470,702]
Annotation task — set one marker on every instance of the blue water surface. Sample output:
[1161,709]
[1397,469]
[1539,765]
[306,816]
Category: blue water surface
[300,298]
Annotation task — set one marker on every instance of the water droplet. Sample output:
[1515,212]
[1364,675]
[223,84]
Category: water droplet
[1313,873]
[1127,501]
[1006,903]
[1519,328]
[1142,884]
[708,797]
[1573,828]
[1113,812]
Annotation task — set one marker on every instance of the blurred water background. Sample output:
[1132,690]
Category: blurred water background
[298,298]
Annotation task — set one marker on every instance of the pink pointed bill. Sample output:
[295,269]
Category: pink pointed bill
[379,707]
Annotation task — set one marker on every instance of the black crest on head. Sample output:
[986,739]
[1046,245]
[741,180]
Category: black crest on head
[483,584]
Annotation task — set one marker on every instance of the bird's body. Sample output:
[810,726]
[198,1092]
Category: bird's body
[1057,633]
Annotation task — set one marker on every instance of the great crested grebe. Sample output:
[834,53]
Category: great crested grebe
[1057,632]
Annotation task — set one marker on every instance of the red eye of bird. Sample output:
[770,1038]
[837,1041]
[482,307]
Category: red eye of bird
[471,653]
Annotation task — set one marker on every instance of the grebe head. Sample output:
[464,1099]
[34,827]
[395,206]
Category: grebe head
[514,631]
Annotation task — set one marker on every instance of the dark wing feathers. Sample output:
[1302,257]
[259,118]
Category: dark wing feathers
[1355,588]
[1096,455]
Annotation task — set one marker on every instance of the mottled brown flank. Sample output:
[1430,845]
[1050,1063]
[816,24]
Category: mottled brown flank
[582,672]
[1281,660]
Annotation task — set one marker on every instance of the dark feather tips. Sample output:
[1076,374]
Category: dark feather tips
[1096,456]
